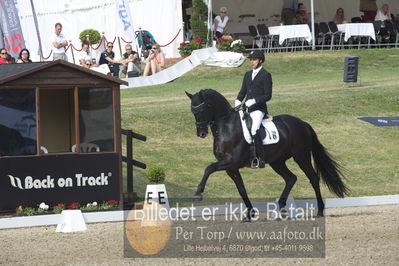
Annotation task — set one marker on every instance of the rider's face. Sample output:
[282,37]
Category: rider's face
[254,62]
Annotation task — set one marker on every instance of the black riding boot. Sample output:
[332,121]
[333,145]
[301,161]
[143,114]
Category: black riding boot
[258,158]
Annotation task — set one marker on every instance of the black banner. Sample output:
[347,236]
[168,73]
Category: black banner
[382,121]
[54,179]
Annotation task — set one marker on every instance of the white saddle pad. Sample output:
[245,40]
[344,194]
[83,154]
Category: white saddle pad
[272,135]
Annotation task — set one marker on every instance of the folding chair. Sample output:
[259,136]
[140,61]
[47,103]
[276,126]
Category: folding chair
[377,28]
[396,31]
[334,31]
[317,33]
[255,35]
[356,20]
[389,29]
[265,35]
[325,34]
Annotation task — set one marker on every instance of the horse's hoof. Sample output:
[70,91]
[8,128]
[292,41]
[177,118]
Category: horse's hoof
[284,214]
[197,199]
[246,219]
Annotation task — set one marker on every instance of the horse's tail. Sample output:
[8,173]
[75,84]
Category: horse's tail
[327,168]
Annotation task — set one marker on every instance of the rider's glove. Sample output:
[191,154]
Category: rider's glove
[250,102]
[237,103]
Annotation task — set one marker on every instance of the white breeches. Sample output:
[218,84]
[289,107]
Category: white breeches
[257,117]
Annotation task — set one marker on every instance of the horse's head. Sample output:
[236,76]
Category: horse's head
[203,113]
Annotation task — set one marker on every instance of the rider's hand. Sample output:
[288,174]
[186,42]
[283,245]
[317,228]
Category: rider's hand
[237,103]
[250,102]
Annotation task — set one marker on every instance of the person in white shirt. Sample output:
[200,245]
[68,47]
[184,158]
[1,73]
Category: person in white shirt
[86,61]
[220,23]
[85,56]
[60,43]
[382,15]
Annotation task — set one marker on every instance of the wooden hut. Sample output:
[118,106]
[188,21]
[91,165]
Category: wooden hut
[60,135]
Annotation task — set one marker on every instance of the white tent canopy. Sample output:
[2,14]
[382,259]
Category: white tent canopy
[163,19]
[242,13]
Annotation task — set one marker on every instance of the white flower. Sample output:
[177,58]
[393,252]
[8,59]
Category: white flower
[88,205]
[43,206]
[94,203]
[235,42]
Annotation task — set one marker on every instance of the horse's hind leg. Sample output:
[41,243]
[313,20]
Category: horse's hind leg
[281,168]
[305,163]
[236,176]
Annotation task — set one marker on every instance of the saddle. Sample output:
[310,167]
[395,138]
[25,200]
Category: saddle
[268,130]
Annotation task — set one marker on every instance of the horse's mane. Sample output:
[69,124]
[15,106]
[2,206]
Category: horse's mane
[216,98]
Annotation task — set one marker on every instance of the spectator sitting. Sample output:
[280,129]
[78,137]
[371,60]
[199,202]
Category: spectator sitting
[88,64]
[95,67]
[220,23]
[24,56]
[130,62]
[155,61]
[107,57]
[383,15]
[301,15]
[4,57]
[86,61]
[85,56]
[339,17]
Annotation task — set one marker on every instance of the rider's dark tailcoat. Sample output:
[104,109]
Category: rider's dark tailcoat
[259,89]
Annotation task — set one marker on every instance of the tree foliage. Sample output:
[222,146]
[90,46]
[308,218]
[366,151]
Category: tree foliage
[198,20]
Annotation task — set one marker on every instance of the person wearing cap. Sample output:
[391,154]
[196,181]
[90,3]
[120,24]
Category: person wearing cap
[256,90]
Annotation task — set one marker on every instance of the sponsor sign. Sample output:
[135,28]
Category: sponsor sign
[54,179]
[11,28]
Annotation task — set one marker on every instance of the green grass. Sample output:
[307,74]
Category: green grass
[305,84]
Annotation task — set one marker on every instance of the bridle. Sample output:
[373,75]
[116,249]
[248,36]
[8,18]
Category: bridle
[199,109]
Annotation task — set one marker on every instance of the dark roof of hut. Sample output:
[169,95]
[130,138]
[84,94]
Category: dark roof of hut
[11,72]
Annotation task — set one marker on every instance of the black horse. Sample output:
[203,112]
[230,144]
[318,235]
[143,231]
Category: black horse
[297,140]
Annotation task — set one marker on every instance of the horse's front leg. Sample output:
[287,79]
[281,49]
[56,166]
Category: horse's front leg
[236,176]
[213,167]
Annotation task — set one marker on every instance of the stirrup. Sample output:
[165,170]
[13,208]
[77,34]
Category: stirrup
[255,163]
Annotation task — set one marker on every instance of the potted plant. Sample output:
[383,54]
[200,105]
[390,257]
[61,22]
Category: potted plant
[94,36]
[227,43]
[187,47]
[156,190]
[237,46]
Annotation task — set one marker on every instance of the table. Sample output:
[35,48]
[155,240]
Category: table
[357,29]
[291,31]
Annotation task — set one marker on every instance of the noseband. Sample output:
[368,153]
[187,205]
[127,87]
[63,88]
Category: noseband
[199,109]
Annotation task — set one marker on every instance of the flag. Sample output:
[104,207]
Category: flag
[40,52]
[11,28]
[124,24]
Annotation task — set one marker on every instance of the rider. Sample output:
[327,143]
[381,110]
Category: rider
[256,90]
